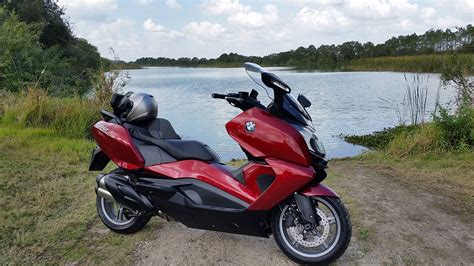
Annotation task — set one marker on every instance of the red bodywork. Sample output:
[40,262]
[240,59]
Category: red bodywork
[116,142]
[274,140]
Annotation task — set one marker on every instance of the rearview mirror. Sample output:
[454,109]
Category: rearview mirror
[304,101]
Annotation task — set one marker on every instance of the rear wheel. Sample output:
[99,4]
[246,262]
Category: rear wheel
[119,218]
[307,244]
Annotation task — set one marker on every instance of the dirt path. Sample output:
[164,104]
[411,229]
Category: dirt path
[393,223]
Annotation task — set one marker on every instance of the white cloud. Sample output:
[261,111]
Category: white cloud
[88,9]
[252,19]
[316,3]
[150,25]
[221,7]
[145,2]
[380,9]
[321,20]
[118,34]
[463,8]
[469,4]
[427,12]
[204,30]
[173,4]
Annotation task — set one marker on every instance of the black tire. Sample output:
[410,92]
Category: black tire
[337,250]
[135,224]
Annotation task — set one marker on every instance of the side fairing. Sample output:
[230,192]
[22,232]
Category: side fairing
[270,137]
[117,144]
[286,178]
[289,177]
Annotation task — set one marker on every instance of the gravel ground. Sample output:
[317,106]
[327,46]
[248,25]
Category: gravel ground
[394,224]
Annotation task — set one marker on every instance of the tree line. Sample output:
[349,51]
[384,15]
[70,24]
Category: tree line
[332,57]
[38,49]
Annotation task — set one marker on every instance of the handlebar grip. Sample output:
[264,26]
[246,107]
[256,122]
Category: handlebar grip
[218,96]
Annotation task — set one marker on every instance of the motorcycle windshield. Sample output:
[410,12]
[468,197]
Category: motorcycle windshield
[291,108]
[252,67]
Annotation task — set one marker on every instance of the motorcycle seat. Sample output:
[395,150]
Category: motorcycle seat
[160,132]
[187,150]
[161,128]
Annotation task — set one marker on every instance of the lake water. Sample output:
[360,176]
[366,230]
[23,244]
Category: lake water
[342,102]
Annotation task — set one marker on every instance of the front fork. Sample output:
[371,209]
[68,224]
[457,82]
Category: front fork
[307,209]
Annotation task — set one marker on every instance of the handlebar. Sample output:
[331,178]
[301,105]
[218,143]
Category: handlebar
[242,100]
[218,96]
[241,94]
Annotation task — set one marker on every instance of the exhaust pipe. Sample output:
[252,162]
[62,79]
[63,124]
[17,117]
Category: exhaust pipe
[117,188]
[102,190]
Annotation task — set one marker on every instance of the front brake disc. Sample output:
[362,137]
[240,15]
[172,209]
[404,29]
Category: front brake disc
[297,232]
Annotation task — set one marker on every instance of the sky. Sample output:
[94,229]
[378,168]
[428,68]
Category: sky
[208,28]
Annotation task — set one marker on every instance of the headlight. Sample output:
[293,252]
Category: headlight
[314,143]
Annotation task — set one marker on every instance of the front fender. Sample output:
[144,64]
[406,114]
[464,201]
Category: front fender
[318,190]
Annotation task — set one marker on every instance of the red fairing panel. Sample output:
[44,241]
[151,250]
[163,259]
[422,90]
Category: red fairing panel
[272,137]
[217,176]
[117,144]
[206,172]
[252,171]
[289,177]
[318,190]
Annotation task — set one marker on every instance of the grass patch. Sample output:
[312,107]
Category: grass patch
[47,203]
[68,117]
[447,133]
[431,63]
[364,233]
[447,174]
[378,139]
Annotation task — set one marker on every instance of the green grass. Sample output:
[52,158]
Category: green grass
[364,233]
[68,117]
[47,205]
[378,139]
[432,63]
[448,133]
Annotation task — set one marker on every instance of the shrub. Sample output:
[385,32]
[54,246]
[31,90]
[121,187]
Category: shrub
[379,139]
[457,129]
[69,117]
[40,51]
[448,132]
[423,139]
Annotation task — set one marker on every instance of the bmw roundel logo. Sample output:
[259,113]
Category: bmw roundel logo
[250,126]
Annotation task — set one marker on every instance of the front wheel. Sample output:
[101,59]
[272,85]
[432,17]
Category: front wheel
[118,218]
[307,244]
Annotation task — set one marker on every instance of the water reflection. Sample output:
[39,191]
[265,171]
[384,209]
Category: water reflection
[342,102]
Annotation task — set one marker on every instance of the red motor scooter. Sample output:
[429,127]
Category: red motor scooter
[278,191]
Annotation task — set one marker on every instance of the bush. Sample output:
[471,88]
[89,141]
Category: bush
[69,117]
[379,139]
[423,139]
[457,129]
[447,132]
[38,54]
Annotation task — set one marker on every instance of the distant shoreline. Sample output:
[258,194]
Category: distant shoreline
[432,63]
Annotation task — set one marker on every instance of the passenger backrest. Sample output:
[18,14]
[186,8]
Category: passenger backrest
[161,128]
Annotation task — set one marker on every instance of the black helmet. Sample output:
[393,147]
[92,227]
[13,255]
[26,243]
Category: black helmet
[134,106]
